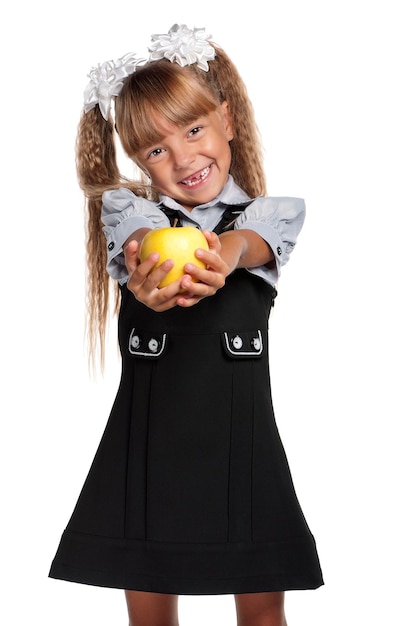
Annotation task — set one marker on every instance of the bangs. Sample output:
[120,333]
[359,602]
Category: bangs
[177,111]
[159,89]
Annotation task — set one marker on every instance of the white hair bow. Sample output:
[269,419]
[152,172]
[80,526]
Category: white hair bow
[106,81]
[183,46]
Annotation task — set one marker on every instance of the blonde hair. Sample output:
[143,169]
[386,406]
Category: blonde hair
[179,95]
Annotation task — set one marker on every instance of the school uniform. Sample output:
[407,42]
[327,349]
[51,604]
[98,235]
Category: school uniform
[190,491]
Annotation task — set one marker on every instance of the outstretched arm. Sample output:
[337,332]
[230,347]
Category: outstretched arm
[245,248]
[229,251]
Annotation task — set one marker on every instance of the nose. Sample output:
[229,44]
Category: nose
[183,156]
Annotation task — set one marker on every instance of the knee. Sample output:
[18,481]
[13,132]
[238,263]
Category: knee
[152,620]
[262,618]
[143,621]
[261,609]
[151,609]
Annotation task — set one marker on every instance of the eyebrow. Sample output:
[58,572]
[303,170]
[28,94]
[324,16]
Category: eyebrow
[158,137]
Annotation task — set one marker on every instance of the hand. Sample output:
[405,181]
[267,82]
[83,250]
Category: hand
[229,251]
[144,279]
[206,281]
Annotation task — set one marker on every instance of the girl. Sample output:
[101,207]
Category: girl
[190,491]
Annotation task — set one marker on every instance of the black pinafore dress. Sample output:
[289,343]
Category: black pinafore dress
[190,490]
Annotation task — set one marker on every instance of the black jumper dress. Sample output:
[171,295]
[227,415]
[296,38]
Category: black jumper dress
[190,491]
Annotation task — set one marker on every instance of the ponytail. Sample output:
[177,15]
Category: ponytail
[246,150]
[97,172]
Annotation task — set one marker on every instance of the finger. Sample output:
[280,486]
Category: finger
[187,299]
[212,277]
[157,274]
[187,302]
[131,256]
[145,288]
[139,273]
[213,240]
[199,289]
[162,299]
[147,276]
[211,259]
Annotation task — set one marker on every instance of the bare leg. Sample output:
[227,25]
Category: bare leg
[152,609]
[260,609]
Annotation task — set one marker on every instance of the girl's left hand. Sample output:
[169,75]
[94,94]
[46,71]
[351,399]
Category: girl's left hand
[208,280]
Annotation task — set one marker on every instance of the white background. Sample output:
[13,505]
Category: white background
[333,87]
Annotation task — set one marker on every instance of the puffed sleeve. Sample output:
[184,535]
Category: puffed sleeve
[122,214]
[278,221]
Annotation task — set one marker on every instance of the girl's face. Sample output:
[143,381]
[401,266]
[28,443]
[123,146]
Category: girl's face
[190,163]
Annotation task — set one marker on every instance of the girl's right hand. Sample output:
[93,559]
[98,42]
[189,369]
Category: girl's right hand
[144,279]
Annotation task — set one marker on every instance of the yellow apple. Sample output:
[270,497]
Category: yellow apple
[178,244]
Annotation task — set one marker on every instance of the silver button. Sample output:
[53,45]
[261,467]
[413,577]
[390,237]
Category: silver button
[135,341]
[153,345]
[256,343]
[237,342]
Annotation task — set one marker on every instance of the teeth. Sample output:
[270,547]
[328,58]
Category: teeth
[193,181]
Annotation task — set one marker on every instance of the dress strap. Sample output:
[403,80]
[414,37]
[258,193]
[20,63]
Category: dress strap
[229,216]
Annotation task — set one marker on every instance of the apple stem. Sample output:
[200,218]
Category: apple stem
[175,222]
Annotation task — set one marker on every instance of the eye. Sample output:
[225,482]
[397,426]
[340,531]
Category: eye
[154,153]
[194,131]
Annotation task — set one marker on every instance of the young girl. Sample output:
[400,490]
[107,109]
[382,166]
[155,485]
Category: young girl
[190,490]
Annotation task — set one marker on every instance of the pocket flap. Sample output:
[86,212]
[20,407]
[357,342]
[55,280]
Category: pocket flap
[147,344]
[243,345]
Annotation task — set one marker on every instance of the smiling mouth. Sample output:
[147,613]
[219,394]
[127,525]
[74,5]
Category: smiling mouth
[194,180]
